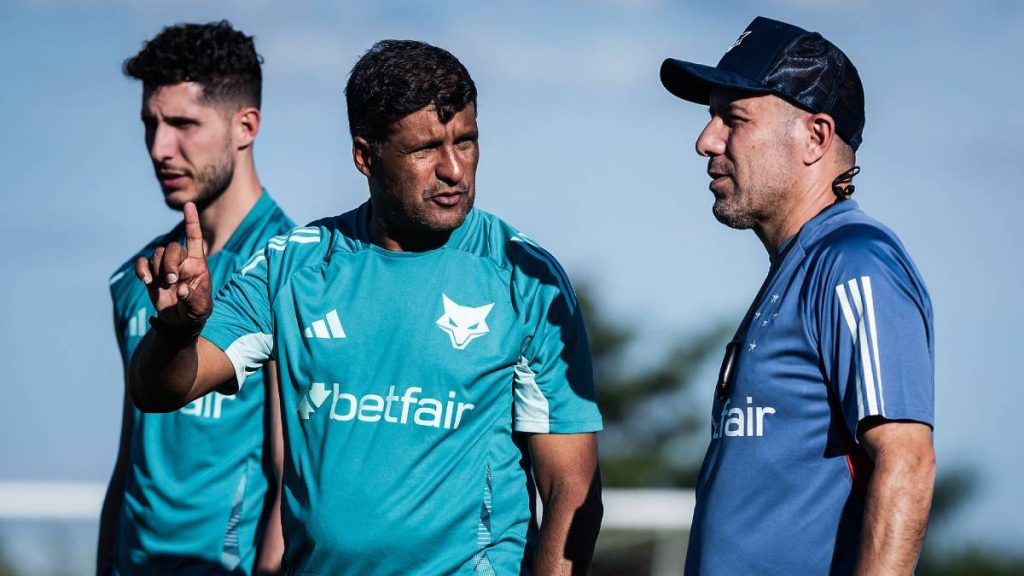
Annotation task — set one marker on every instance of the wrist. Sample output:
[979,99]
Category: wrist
[174,334]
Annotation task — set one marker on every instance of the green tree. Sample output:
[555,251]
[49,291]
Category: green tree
[6,568]
[655,433]
[953,489]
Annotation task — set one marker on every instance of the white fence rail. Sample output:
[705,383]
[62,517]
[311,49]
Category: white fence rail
[659,517]
[62,501]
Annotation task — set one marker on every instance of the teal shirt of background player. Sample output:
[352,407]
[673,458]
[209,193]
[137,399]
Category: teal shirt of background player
[196,484]
[407,378]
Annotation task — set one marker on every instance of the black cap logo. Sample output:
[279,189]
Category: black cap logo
[738,41]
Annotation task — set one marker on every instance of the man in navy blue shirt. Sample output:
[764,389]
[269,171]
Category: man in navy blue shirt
[821,458]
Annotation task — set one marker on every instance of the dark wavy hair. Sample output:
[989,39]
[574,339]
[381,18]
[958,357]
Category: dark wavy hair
[395,78]
[216,56]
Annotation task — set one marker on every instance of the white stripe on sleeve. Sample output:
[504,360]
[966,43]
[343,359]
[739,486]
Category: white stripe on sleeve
[861,324]
[532,411]
[851,324]
[248,353]
[869,302]
[560,276]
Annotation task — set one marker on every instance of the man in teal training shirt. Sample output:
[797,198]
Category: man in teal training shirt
[433,361]
[194,488]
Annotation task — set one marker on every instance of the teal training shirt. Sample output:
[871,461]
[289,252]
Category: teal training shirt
[404,376]
[195,486]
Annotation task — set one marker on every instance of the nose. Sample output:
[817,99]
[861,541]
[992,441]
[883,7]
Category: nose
[160,141]
[711,141]
[450,167]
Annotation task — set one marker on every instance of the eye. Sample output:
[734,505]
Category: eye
[473,327]
[466,143]
[452,323]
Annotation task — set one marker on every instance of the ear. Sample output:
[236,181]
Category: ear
[362,156]
[821,133]
[245,126]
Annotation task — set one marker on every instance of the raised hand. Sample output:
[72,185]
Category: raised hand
[178,280]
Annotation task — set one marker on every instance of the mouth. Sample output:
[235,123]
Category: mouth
[447,199]
[717,180]
[171,178]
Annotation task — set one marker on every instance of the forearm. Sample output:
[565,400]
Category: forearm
[269,560]
[571,522]
[271,553]
[896,514]
[163,373]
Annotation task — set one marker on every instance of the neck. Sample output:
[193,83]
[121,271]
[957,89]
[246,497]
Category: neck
[222,217]
[397,242]
[390,238]
[803,205]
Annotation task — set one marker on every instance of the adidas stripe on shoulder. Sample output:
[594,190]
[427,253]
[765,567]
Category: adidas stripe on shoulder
[557,272]
[860,320]
[304,235]
[138,324]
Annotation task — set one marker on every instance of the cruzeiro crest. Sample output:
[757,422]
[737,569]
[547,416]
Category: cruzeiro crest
[463,323]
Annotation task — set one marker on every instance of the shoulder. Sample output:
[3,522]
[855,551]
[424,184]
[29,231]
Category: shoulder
[124,275]
[264,221]
[295,248]
[858,242]
[303,246]
[276,223]
[858,250]
[533,270]
[510,249]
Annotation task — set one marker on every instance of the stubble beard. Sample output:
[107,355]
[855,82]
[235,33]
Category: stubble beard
[414,219]
[210,182]
[744,209]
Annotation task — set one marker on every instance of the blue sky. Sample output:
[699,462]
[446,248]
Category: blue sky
[581,148]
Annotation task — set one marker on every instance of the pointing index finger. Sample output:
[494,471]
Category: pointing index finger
[193,232]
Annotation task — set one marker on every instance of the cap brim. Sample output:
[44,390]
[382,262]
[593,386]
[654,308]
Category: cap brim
[694,82]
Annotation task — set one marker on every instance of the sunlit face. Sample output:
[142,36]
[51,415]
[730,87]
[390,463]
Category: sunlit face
[189,143]
[751,146]
[423,182]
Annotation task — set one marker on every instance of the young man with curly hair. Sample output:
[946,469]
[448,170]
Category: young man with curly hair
[194,490]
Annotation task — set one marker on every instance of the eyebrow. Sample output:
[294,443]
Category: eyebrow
[177,118]
[736,107]
[731,107]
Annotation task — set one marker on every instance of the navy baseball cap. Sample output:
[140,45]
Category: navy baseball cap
[772,57]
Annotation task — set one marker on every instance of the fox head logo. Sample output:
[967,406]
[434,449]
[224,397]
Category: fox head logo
[463,323]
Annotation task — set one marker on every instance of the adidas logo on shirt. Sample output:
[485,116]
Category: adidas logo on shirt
[138,324]
[326,329]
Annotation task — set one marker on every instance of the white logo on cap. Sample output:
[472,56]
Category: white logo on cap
[738,41]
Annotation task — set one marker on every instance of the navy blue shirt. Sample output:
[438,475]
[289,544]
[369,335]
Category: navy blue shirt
[841,332]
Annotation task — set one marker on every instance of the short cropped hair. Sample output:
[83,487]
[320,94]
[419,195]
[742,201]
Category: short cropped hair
[216,56]
[395,78]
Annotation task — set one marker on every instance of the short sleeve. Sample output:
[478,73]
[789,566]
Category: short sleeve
[553,381]
[875,329]
[241,323]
